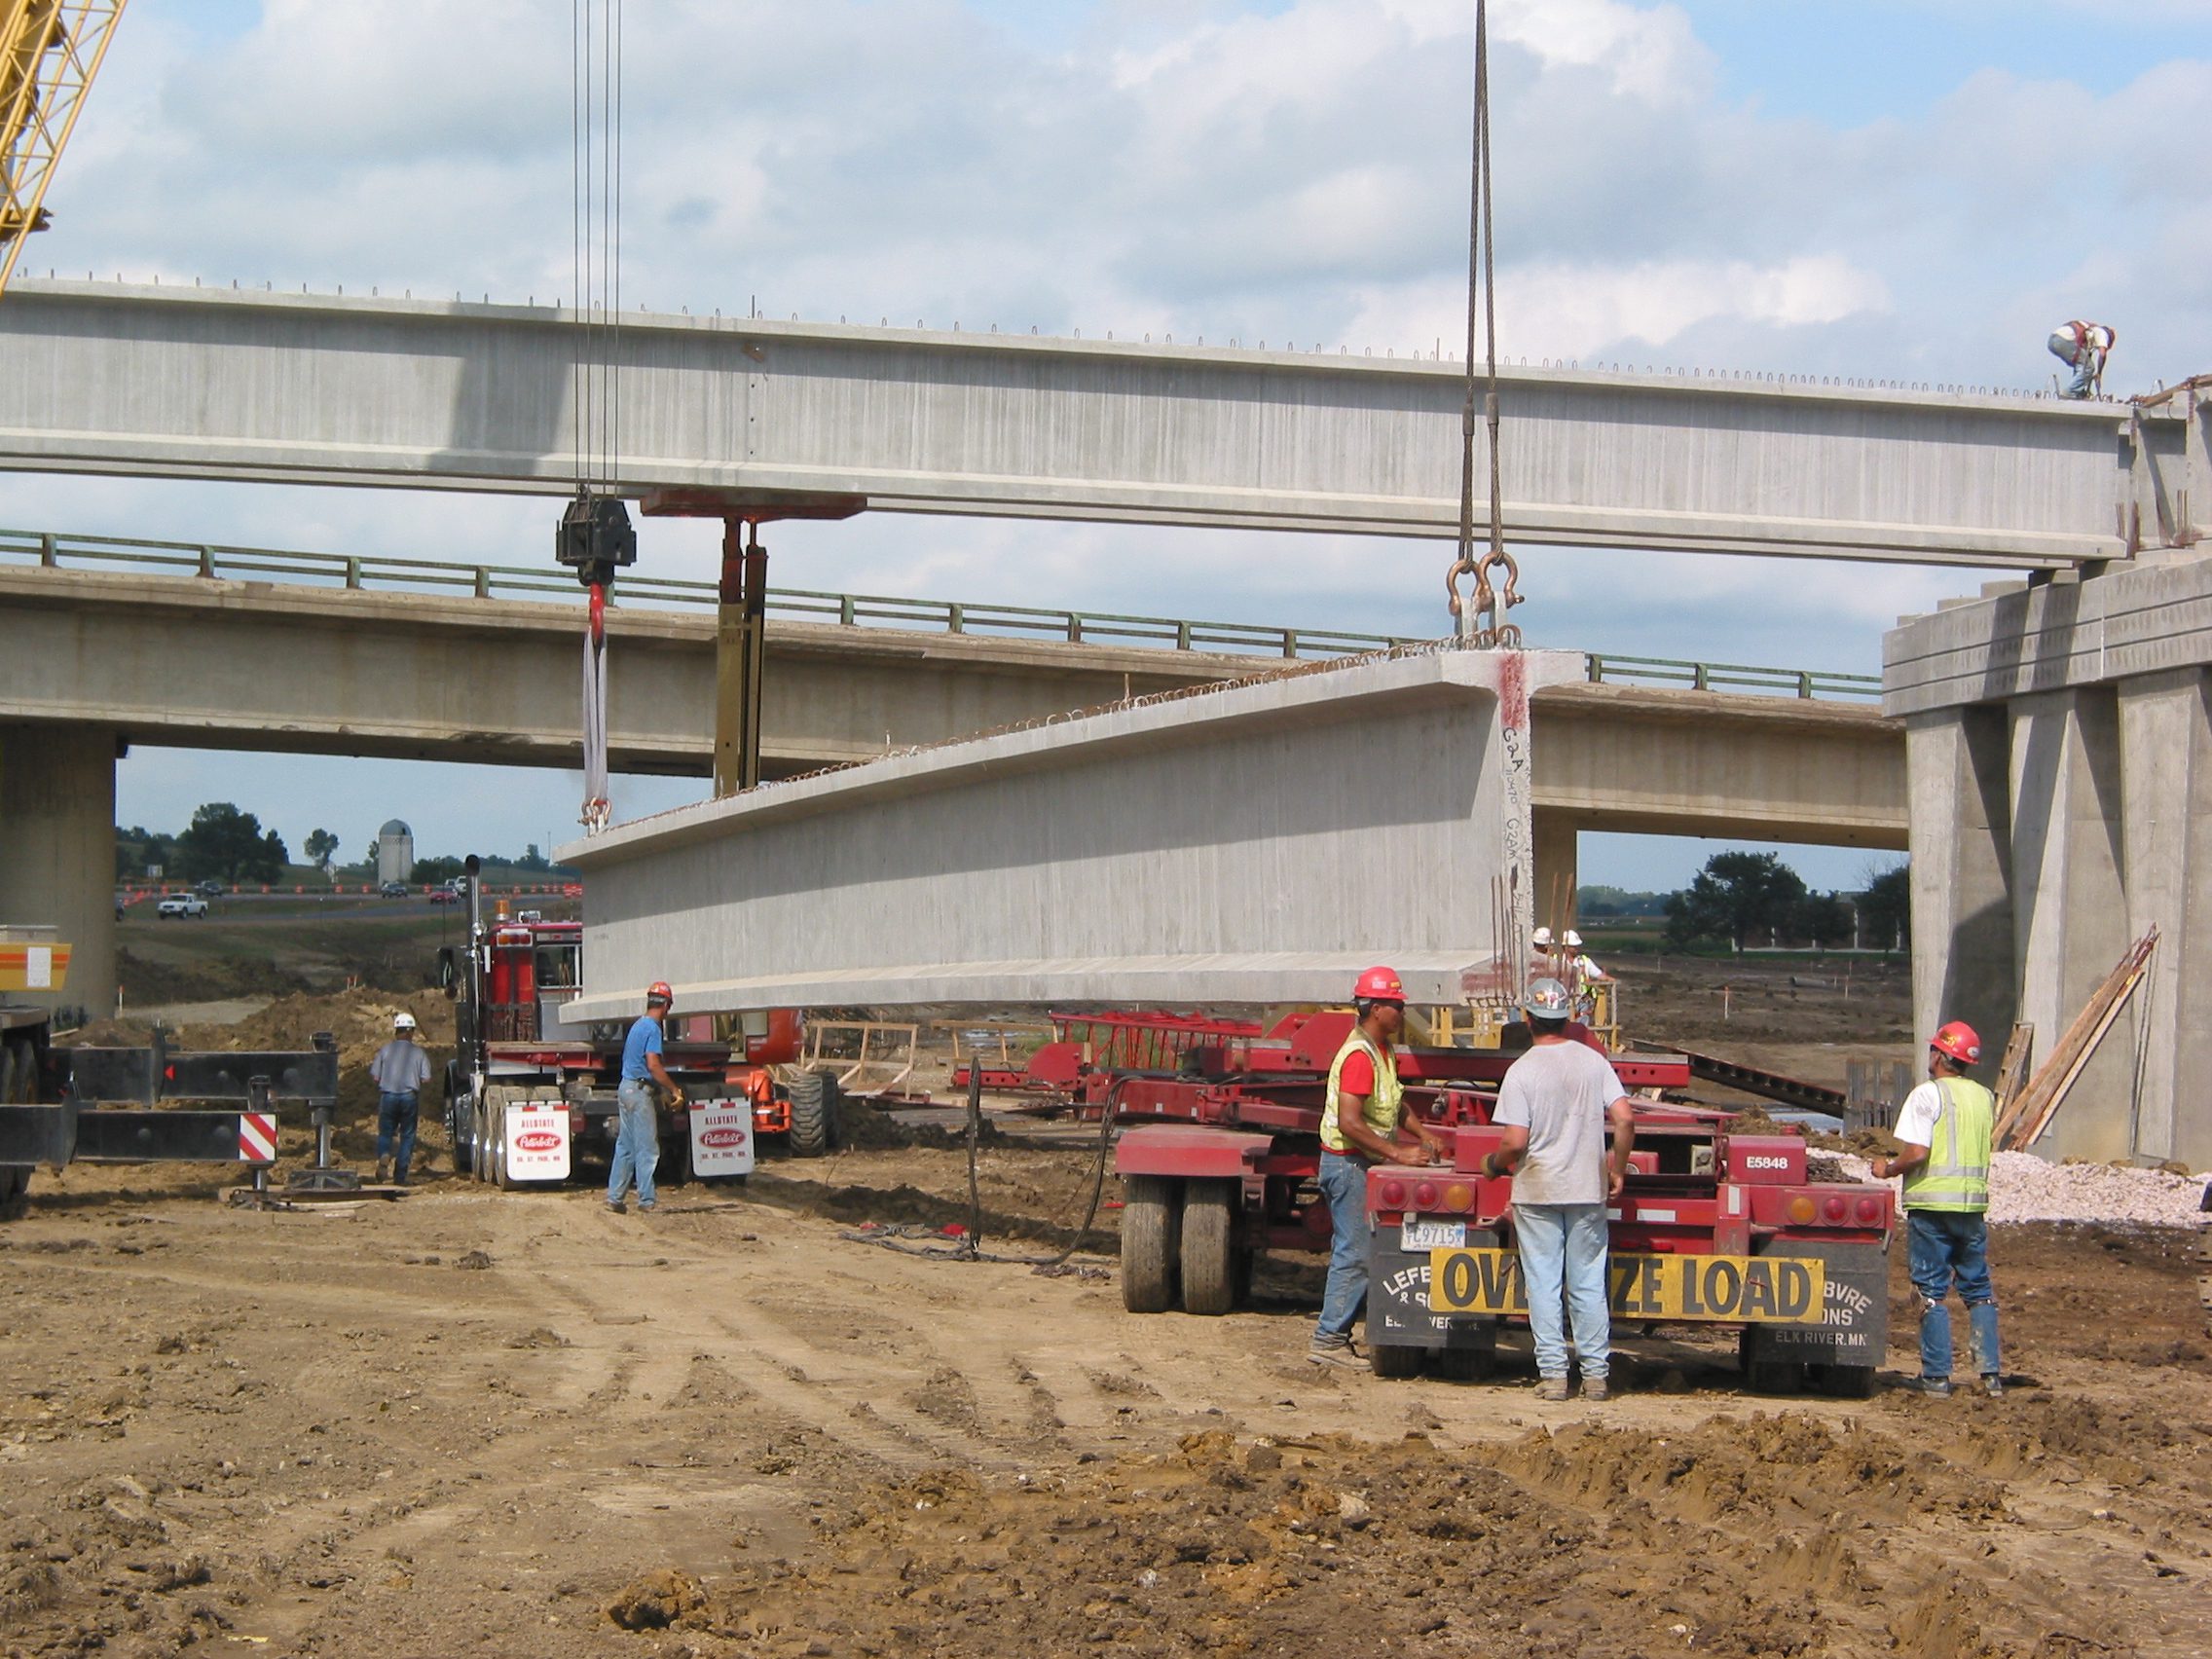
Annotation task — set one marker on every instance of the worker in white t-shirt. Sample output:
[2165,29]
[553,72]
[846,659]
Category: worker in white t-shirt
[1945,1129]
[2084,348]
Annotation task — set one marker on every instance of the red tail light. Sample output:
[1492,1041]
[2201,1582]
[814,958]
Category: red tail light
[1834,1208]
[1424,1195]
[1393,1194]
[1869,1210]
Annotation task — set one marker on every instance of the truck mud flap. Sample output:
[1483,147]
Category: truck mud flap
[1398,1300]
[1854,1327]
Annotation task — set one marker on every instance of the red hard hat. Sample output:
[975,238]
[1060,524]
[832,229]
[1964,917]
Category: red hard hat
[1382,984]
[658,992]
[1959,1041]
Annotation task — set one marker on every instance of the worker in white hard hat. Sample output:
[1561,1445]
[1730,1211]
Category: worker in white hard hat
[400,1071]
[1555,1106]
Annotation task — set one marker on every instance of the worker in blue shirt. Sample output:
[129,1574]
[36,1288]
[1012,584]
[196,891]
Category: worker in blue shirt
[637,1143]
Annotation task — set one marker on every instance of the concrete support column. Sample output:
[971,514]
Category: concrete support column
[2069,881]
[1557,868]
[2166,748]
[57,847]
[1956,767]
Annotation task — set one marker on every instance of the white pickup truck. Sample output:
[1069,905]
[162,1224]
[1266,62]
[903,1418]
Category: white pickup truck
[184,904]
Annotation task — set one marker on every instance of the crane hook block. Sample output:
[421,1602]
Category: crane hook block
[596,538]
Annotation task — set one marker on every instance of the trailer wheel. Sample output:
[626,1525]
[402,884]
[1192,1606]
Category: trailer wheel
[479,1143]
[1393,1362]
[813,1097]
[1151,1216]
[675,1166]
[1763,1375]
[461,1120]
[1209,1247]
[1845,1381]
[1464,1364]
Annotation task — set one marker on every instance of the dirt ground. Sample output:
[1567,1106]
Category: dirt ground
[473,1422]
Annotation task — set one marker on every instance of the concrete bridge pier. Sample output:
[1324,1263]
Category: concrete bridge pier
[57,847]
[2059,756]
[1558,840]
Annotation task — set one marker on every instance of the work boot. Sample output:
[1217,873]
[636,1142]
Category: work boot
[1594,1391]
[615,1204]
[1935,1387]
[1552,1390]
[1993,1385]
[384,1170]
[1337,1354]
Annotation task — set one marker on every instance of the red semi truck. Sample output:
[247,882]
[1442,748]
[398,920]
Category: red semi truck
[529,1095]
[1219,1159]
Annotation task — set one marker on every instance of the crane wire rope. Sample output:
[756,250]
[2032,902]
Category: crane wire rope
[1479,614]
[595,146]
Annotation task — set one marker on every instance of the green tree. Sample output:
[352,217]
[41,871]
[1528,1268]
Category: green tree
[1885,908]
[1822,919]
[1734,893]
[230,845]
[321,846]
[533,860]
[429,872]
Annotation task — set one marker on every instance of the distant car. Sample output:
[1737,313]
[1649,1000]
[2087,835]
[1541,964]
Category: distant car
[183,905]
[444,895]
[530,915]
[209,889]
[393,890]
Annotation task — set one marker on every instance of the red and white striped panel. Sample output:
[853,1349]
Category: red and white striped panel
[257,1137]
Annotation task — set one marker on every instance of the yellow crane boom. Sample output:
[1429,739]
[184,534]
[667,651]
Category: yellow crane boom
[50,50]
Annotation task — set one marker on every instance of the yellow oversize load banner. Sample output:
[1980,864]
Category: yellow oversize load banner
[1760,1290]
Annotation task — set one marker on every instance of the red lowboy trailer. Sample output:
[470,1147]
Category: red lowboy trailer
[1219,1159]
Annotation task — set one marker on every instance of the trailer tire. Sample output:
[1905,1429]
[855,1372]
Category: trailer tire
[461,1120]
[1466,1364]
[675,1166]
[1208,1255]
[1393,1362]
[1767,1376]
[1151,1218]
[813,1095]
[479,1143]
[1845,1381]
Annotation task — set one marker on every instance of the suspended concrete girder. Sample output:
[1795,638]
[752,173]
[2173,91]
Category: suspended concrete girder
[1258,843]
[426,394]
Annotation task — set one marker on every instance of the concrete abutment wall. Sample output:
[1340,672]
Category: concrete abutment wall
[57,849]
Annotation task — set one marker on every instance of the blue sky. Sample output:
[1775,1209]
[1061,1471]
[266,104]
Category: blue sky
[1928,188]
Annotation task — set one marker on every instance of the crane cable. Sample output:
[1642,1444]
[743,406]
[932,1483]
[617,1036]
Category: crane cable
[1477,615]
[595,102]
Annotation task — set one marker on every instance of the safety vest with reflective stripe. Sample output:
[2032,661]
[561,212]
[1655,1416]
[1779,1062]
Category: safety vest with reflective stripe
[1382,1110]
[1956,1175]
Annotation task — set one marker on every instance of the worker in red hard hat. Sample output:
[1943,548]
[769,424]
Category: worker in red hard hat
[1944,1130]
[637,1140]
[1362,1123]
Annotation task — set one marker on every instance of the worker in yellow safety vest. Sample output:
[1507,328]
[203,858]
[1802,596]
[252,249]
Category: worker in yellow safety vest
[1945,1129]
[1362,1123]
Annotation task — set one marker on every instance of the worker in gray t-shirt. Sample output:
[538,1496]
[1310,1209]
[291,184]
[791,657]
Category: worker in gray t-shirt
[1556,1105]
[400,1071]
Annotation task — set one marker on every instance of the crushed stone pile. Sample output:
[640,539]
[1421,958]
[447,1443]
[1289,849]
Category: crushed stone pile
[2023,1187]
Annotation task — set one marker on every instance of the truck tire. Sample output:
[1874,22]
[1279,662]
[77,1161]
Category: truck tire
[814,1110]
[675,1166]
[1767,1376]
[1393,1362]
[461,1120]
[1209,1247]
[1464,1364]
[1151,1225]
[1844,1382]
[479,1143]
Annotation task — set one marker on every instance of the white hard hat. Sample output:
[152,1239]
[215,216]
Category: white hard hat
[403,1022]
[1547,999]
[1541,938]
[1573,940]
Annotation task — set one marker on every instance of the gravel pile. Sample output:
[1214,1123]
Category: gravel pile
[2022,1187]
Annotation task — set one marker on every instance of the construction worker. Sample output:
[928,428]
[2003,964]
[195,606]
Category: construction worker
[636,1141]
[400,1071]
[1555,1106]
[2084,348]
[1945,1128]
[1580,971]
[1362,1124]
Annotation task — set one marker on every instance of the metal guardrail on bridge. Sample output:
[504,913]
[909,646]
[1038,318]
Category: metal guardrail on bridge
[55,550]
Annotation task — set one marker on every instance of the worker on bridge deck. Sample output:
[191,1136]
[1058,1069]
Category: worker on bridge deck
[1362,1123]
[2083,346]
[637,1140]
[1555,1105]
[1945,1129]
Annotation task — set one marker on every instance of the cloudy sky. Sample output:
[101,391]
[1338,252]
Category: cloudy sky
[1899,189]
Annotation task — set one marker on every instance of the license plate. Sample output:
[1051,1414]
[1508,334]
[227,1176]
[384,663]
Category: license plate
[1435,1236]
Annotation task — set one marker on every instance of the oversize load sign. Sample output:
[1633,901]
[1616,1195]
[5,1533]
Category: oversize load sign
[1788,1290]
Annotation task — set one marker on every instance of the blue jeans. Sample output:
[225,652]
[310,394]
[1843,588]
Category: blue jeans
[637,1144]
[396,1116]
[1562,1257]
[1343,1183]
[1948,1246]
